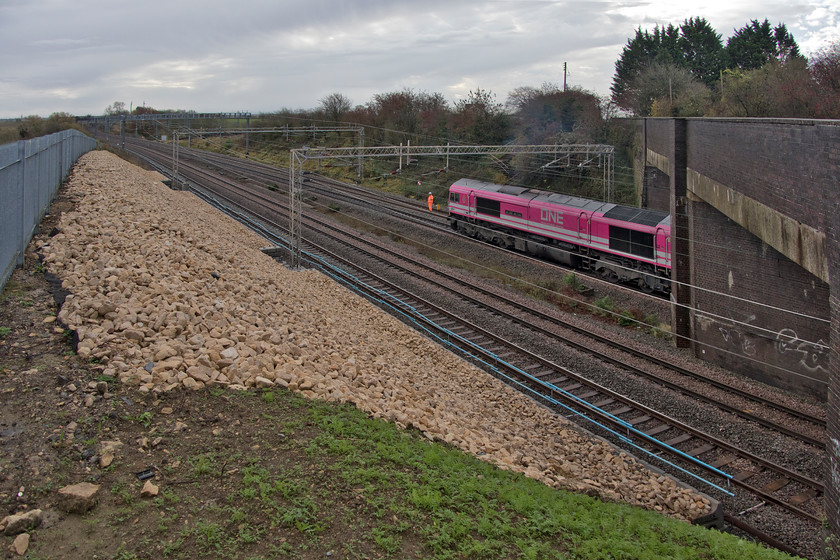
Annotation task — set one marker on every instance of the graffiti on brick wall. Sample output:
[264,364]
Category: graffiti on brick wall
[738,340]
[813,356]
[810,356]
[834,461]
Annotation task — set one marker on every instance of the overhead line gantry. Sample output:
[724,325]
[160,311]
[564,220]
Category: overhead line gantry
[563,154]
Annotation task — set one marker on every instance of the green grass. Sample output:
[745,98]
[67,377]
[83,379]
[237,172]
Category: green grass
[144,418]
[462,507]
[310,477]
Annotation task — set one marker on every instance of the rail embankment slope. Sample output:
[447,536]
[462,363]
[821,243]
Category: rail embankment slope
[168,297]
[172,294]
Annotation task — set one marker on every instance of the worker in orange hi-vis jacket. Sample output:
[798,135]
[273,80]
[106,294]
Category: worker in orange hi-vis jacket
[431,201]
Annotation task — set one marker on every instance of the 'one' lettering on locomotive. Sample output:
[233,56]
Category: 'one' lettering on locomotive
[553,216]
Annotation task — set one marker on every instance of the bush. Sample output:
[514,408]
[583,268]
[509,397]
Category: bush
[626,318]
[572,281]
[604,306]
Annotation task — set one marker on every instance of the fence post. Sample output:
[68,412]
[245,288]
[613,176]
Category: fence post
[21,185]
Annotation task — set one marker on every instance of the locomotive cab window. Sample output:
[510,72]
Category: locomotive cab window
[454,197]
[631,241]
[487,206]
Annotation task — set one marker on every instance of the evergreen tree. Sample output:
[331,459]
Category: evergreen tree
[694,45]
[634,56]
[756,44]
[639,53]
[786,45]
[702,50]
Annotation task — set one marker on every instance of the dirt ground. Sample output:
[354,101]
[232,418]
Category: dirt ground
[58,411]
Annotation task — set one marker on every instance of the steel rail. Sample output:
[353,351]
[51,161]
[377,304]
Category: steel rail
[645,357]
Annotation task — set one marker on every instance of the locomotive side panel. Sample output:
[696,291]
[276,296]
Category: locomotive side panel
[554,222]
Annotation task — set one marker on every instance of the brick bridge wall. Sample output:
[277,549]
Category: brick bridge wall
[751,308]
[760,202]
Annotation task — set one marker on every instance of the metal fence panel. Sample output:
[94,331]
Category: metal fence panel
[31,171]
[11,209]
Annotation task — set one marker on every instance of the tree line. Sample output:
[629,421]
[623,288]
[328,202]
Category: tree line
[33,126]
[681,70]
[687,71]
[670,71]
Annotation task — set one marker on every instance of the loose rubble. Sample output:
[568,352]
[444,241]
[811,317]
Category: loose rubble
[21,544]
[150,489]
[170,295]
[78,498]
[20,522]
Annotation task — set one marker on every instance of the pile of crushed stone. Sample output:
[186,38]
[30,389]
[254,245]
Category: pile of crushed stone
[169,294]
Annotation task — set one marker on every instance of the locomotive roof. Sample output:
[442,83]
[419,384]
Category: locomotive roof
[610,210]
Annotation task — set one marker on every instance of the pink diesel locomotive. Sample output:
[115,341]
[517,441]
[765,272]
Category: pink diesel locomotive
[621,243]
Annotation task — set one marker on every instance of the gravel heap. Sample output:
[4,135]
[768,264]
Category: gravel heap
[169,294]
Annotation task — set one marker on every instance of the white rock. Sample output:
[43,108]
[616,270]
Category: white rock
[229,353]
[20,544]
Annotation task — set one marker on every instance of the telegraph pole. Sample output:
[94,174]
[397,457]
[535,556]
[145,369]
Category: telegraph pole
[564,76]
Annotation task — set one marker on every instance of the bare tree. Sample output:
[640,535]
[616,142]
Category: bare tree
[673,89]
[116,108]
[335,105]
[480,119]
[825,68]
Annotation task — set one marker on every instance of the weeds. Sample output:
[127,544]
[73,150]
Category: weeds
[604,306]
[626,318]
[572,282]
[144,418]
[124,555]
[209,535]
[109,379]
[202,465]
[125,494]
[389,543]
[171,548]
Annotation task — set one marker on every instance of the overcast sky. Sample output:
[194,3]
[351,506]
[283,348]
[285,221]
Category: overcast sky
[79,56]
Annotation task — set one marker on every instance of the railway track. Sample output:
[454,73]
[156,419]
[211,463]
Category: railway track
[700,453]
[380,202]
[268,174]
